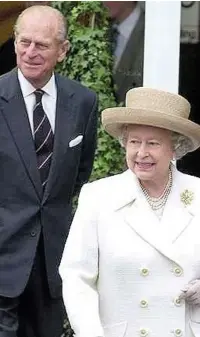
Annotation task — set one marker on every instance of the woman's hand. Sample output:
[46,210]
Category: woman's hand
[191,293]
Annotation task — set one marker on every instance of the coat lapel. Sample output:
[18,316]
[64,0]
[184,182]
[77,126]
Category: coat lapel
[161,235]
[175,223]
[15,114]
[65,112]
[136,211]
[145,223]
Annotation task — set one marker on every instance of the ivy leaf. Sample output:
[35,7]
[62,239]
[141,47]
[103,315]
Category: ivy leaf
[90,61]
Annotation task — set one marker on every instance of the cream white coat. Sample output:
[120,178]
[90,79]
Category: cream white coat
[123,269]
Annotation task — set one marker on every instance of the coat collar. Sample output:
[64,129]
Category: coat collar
[11,87]
[162,235]
[127,187]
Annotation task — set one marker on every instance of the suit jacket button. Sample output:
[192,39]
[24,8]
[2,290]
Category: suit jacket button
[33,233]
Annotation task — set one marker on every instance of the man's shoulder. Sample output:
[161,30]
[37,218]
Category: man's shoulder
[9,84]
[8,76]
[74,85]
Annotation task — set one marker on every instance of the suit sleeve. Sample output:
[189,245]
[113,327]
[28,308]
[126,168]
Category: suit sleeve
[79,269]
[89,147]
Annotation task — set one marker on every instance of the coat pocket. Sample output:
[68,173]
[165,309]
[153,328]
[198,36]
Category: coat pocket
[115,330]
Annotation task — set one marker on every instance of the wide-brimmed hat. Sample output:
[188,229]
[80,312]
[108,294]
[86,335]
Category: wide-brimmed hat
[146,106]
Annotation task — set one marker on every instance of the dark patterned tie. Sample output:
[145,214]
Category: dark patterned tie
[43,138]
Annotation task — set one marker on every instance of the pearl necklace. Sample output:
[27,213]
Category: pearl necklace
[159,203]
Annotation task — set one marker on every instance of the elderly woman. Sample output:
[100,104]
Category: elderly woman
[131,263]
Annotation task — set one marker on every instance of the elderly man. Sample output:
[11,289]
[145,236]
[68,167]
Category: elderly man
[48,139]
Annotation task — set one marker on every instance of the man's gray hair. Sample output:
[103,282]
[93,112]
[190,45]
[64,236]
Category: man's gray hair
[181,144]
[62,24]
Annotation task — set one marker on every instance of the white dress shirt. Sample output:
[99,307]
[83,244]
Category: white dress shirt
[125,29]
[48,99]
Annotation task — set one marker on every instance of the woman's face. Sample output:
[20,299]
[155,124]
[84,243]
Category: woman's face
[148,152]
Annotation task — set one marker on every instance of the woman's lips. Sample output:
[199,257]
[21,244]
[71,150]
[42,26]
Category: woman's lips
[144,166]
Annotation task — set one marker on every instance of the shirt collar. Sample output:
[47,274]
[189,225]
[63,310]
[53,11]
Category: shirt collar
[126,27]
[27,88]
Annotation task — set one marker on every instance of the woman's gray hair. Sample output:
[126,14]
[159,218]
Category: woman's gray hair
[180,143]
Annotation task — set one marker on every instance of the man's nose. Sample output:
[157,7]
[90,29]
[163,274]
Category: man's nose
[31,50]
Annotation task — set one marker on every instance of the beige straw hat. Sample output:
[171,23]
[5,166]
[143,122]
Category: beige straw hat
[146,106]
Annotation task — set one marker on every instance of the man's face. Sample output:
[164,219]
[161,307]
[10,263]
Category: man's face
[37,47]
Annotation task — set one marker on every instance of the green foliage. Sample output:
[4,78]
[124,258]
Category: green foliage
[90,62]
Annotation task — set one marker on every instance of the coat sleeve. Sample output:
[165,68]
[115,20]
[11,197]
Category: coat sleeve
[79,269]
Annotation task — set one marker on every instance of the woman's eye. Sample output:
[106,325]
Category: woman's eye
[153,143]
[133,141]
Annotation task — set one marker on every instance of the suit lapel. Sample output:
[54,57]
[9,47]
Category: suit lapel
[15,114]
[65,108]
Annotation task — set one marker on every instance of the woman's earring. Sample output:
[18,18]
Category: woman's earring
[174,158]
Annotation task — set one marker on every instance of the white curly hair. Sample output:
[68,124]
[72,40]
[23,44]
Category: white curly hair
[180,143]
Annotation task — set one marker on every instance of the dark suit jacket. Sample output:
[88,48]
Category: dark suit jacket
[24,210]
[129,71]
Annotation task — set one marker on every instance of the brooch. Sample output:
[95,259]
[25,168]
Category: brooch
[187,197]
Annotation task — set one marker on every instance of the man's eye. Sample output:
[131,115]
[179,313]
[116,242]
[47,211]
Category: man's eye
[42,46]
[25,42]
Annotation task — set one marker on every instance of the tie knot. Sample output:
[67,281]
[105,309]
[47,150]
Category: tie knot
[38,95]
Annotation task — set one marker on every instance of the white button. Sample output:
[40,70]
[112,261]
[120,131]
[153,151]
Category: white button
[177,301]
[178,333]
[144,271]
[143,332]
[143,303]
[177,271]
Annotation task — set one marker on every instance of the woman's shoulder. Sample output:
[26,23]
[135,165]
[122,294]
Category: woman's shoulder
[107,182]
[189,178]
[106,187]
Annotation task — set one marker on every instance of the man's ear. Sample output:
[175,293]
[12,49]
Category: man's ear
[64,48]
[15,44]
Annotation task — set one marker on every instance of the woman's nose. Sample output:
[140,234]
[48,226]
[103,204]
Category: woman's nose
[142,151]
